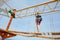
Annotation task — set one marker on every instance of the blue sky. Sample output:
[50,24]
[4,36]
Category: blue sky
[27,24]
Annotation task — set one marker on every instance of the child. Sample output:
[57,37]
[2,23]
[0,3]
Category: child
[38,20]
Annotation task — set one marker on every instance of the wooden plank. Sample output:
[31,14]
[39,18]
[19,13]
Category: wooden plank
[38,5]
[52,33]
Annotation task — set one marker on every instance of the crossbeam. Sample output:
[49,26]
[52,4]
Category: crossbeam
[52,33]
[37,5]
[4,34]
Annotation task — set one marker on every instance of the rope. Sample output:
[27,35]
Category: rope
[0,18]
[4,1]
[56,5]
[52,25]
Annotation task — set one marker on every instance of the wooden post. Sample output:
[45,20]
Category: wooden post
[14,11]
[3,38]
[9,23]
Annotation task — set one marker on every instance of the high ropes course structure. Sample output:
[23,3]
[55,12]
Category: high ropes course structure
[27,12]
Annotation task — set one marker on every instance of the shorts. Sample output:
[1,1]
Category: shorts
[38,21]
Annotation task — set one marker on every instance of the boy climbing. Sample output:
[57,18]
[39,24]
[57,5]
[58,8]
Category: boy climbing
[38,21]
